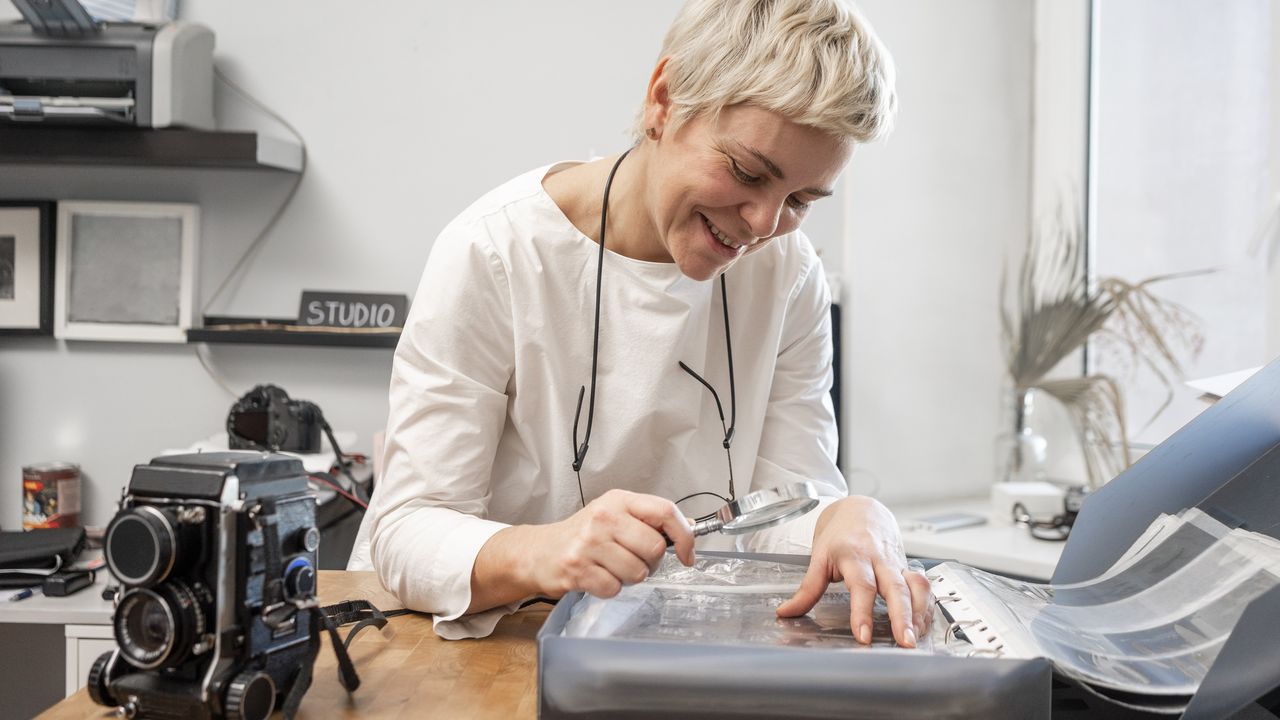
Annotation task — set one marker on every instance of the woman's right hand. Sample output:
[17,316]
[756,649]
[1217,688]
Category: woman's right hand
[616,540]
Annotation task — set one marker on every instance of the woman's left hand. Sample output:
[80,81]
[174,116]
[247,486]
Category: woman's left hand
[856,540]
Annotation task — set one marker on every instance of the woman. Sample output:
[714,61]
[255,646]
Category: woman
[593,341]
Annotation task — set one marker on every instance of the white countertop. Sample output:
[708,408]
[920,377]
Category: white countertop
[83,608]
[996,546]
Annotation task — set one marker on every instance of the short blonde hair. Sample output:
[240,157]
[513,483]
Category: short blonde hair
[816,62]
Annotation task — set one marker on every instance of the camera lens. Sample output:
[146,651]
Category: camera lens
[150,626]
[157,627]
[140,545]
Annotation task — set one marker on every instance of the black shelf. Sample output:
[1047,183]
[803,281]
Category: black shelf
[40,144]
[271,334]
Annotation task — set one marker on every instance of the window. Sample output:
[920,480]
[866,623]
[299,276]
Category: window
[1182,145]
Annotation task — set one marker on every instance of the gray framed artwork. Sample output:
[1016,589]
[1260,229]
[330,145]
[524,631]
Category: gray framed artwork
[125,271]
[26,267]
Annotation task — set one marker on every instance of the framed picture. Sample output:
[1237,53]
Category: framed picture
[125,271]
[26,267]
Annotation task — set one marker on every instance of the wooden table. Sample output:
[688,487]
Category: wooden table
[415,674]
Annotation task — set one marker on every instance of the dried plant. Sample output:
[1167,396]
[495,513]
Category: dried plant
[1056,310]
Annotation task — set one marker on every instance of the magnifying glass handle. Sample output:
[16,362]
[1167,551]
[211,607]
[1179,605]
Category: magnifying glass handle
[700,528]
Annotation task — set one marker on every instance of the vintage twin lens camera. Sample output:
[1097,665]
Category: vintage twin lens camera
[216,615]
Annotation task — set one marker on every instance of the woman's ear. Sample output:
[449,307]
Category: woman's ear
[657,101]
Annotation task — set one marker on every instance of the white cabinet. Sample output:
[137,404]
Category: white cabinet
[84,644]
[86,621]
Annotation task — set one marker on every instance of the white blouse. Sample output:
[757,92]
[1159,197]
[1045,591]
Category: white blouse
[486,377]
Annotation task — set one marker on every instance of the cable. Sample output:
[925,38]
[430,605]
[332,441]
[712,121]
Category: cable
[302,171]
[343,463]
[321,477]
[200,347]
[708,516]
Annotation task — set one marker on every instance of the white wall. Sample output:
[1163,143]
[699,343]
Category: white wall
[932,214]
[409,117]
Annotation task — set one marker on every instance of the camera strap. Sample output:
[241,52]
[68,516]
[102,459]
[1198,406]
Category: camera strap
[267,520]
[325,619]
[361,612]
[328,619]
[346,670]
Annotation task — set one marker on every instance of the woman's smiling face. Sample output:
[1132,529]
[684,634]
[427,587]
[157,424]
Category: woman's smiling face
[721,186]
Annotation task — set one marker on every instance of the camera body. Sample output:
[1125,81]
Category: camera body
[265,418]
[217,614]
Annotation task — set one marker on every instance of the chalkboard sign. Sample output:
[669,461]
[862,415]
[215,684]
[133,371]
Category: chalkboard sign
[352,310]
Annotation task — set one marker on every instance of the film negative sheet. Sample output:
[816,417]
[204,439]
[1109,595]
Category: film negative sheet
[727,601]
[1151,626]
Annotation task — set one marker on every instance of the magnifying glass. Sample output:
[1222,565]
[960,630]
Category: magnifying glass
[759,510]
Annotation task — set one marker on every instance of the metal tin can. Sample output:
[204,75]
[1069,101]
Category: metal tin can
[50,495]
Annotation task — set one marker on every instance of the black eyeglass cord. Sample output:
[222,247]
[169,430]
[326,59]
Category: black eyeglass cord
[733,396]
[580,449]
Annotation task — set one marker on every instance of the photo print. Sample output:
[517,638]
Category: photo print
[26,267]
[8,256]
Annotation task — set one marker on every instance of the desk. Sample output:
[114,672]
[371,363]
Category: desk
[997,547]
[415,674]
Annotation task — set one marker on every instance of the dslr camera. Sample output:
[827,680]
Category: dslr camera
[216,616]
[265,418]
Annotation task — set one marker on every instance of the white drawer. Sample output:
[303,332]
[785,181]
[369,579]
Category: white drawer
[84,644]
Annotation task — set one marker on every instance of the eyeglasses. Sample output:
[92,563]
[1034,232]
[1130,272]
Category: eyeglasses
[580,449]
[1057,528]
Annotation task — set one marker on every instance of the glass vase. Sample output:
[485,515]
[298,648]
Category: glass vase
[1022,450]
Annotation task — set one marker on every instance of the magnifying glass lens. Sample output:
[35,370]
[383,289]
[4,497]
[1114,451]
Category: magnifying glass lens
[768,514]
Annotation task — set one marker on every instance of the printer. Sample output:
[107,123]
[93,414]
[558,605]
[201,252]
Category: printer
[141,75]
